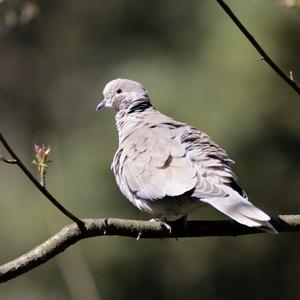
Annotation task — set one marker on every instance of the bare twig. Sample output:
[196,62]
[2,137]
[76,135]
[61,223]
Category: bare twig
[71,234]
[42,189]
[251,39]
[8,161]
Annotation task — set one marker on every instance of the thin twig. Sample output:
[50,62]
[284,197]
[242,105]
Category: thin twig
[71,234]
[255,44]
[8,161]
[42,189]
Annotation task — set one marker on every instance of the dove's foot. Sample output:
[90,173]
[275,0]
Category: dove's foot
[163,222]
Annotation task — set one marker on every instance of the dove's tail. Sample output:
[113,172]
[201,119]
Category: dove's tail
[242,211]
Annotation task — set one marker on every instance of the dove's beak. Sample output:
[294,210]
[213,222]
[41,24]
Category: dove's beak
[101,104]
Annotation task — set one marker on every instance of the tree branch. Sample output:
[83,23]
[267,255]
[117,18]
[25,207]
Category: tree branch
[71,234]
[289,80]
[42,189]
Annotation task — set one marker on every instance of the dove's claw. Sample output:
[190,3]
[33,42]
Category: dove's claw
[163,223]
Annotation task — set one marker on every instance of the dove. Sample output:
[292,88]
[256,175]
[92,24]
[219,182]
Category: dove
[169,168]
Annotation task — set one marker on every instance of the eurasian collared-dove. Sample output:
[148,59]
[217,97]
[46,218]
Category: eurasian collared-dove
[165,167]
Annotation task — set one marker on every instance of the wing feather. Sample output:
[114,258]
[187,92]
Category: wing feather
[158,168]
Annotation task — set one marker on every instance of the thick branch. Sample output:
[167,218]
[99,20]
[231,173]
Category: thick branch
[256,45]
[71,234]
[42,189]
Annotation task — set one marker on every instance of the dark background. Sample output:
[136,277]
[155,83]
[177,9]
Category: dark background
[56,57]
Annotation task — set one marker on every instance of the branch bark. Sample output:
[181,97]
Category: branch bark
[289,80]
[72,233]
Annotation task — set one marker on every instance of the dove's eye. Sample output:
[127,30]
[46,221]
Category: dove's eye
[119,91]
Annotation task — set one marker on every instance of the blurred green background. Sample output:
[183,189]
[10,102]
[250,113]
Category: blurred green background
[56,57]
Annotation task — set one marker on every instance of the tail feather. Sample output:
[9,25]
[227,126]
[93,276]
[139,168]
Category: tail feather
[242,211]
[268,227]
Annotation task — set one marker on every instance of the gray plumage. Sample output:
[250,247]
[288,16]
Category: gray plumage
[165,167]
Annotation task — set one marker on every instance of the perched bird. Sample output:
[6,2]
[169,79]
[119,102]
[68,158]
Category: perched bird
[165,167]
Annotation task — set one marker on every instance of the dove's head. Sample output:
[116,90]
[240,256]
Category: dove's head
[121,94]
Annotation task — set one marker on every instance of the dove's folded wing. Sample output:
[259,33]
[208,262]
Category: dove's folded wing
[156,165]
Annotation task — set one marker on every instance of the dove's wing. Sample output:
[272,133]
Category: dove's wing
[212,163]
[154,164]
[161,159]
